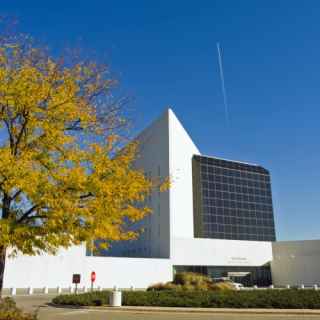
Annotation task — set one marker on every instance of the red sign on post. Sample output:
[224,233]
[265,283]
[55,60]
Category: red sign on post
[93,279]
[93,276]
[76,278]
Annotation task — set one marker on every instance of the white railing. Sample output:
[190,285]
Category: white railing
[71,289]
[301,286]
[60,290]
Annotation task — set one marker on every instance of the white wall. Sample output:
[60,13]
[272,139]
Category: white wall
[296,263]
[165,145]
[53,271]
[181,149]
[153,159]
[216,252]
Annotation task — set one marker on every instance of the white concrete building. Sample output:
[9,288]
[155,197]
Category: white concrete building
[296,263]
[166,149]
[217,218]
[56,271]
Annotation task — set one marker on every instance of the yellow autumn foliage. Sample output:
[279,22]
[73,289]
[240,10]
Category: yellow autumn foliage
[62,179]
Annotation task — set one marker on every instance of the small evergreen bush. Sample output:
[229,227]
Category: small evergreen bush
[190,281]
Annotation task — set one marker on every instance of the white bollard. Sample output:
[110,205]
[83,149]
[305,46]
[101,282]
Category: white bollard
[99,288]
[255,287]
[288,286]
[45,290]
[30,290]
[302,286]
[115,299]
[271,286]
[70,289]
[59,290]
[315,287]
[84,289]
[13,291]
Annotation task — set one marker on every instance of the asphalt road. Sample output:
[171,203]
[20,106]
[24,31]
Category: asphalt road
[45,312]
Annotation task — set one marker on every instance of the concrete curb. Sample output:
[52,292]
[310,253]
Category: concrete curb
[198,310]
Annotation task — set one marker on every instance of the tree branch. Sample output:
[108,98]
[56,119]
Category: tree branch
[26,214]
[5,206]
[16,194]
[85,196]
[21,133]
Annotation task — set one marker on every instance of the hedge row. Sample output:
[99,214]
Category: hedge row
[282,299]
[95,298]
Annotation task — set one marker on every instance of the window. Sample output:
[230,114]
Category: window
[234,198]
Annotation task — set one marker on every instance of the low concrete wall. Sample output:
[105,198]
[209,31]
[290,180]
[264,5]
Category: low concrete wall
[218,252]
[53,271]
[296,263]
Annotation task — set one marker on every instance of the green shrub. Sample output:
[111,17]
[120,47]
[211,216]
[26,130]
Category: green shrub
[222,286]
[283,299]
[95,298]
[9,311]
[190,281]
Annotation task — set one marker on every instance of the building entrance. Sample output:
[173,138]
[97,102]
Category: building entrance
[248,276]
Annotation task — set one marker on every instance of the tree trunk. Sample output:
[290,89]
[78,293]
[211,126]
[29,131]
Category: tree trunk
[2,266]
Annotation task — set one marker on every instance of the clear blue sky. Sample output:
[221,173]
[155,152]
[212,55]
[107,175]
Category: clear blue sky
[164,53]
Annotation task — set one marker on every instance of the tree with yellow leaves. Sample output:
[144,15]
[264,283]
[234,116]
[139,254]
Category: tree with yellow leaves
[63,177]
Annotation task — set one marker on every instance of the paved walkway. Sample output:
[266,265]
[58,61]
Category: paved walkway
[217,310]
[46,312]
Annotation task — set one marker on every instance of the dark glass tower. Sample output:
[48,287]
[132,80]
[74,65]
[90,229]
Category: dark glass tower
[232,200]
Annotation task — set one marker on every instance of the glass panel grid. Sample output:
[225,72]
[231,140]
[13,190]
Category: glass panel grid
[235,200]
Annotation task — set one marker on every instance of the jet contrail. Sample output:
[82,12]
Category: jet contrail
[225,101]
